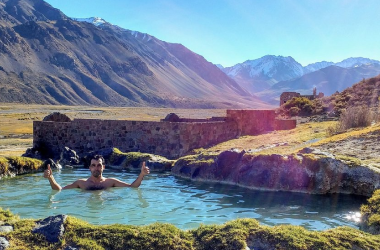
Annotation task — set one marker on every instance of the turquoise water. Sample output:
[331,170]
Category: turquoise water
[167,199]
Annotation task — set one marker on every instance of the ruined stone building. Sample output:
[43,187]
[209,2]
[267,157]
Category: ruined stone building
[286,96]
[171,137]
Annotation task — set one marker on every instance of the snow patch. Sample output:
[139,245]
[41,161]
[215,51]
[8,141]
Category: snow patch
[94,20]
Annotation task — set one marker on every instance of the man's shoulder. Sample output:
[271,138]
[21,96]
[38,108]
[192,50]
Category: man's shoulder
[111,179]
[81,180]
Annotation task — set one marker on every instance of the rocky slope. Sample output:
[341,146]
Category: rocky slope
[48,58]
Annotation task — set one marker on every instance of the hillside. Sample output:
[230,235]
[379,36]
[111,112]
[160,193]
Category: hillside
[363,93]
[48,58]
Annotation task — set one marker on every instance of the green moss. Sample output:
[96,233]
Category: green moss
[118,237]
[230,236]
[3,165]
[25,163]
[350,161]
[372,209]
[233,235]
[6,215]
[197,160]
[131,158]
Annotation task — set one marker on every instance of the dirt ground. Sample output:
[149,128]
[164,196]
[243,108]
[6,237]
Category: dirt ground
[365,147]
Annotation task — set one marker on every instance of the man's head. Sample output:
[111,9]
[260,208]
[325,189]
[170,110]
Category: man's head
[97,165]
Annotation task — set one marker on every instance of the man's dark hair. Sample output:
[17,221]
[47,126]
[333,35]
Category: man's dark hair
[97,158]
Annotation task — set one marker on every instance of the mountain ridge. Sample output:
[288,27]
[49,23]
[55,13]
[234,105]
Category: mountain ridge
[264,85]
[52,59]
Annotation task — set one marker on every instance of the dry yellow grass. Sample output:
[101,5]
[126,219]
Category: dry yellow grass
[277,142]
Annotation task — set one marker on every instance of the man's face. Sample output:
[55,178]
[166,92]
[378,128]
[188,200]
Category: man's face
[96,167]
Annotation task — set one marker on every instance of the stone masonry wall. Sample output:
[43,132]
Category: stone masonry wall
[252,122]
[169,139]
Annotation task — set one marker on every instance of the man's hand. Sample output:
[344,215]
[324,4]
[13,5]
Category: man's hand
[48,173]
[144,170]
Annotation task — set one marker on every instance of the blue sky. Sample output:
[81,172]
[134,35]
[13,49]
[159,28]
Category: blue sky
[233,31]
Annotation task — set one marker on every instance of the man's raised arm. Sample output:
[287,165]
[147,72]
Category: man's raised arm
[144,171]
[48,173]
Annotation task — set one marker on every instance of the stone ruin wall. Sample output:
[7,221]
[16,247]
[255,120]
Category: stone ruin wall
[169,139]
[252,122]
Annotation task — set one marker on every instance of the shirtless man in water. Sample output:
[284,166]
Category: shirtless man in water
[96,181]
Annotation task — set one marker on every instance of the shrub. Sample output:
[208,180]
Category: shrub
[353,117]
[294,111]
[299,106]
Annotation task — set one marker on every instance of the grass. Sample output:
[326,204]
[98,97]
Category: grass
[355,132]
[277,142]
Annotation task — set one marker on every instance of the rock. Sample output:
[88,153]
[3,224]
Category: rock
[172,117]
[32,153]
[6,229]
[317,173]
[68,157]
[51,227]
[52,164]
[4,244]
[70,248]
[57,117]
[306,150]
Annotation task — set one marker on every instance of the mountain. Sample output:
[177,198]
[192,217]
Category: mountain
[49,58]
[355,62]
[316,66]
[269,76]
[262,73]
[327,80]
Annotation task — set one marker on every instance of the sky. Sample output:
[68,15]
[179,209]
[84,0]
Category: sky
[229,32]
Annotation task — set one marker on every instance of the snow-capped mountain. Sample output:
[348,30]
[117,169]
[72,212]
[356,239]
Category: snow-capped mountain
[355,62]
[257,75]
[97,21]
[260,74]
[316,66]
[346,63]
[278,68]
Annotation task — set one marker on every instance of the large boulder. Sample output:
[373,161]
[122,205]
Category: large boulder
[51,227]
[68,157]
[56,117]
[172,117]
